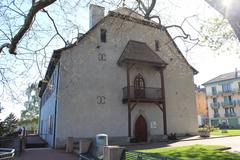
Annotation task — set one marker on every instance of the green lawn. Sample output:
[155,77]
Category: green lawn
[196,152]
[230,132]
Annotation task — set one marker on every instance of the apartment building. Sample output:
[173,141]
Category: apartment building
[223,99]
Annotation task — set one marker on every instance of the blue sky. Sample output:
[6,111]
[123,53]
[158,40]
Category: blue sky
[209,63]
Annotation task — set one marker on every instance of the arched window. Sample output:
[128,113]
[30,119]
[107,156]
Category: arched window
[139,86]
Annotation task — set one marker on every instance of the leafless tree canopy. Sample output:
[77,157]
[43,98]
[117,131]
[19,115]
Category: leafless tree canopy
[42,4]
[30,31]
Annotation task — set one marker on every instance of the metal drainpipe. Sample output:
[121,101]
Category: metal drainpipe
[39,118]
[55,114]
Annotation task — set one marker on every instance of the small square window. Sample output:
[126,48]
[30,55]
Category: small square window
[157,45]
[103,35]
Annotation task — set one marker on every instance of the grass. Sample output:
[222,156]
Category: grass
[195,152]
[230,132]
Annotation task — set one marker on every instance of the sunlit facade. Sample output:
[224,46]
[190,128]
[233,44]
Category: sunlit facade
[223,99]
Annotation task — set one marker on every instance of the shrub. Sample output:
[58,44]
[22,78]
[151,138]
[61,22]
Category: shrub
[203,130]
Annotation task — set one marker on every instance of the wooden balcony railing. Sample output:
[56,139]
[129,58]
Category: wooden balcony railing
[146,94]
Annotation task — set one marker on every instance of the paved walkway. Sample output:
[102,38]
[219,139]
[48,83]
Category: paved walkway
[51,154]
[46,154]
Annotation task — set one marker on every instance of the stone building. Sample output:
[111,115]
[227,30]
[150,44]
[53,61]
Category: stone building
[223,98]
[125,77]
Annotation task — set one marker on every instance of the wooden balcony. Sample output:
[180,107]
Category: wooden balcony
[145,95]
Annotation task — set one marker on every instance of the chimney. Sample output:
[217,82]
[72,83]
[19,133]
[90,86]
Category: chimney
[96,13]
[236,72]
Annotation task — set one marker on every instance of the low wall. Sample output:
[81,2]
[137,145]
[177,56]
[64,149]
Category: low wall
[16,143]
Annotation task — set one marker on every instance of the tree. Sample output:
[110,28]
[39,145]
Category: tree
[30,31]
[1,128]
[35,8]
[216,33]
[40,5]
[230,11]
[30,115]
[8,125]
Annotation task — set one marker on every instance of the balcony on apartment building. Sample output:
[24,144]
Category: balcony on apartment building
[230,104]
[224,92]
[146,94]
[231,114]
[216,115]
[236,91]
[229,92]
[215,105]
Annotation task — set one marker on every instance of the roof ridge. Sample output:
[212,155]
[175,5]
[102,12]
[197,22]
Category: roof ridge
[133,11]
[223,77]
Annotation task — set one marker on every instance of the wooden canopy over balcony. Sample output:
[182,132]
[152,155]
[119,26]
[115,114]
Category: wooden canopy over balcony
[140,53]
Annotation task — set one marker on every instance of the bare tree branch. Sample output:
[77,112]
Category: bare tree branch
[37,6]
[20,13]
[55,26]
[142,4]
[3,46]
[149,10]
[157,17]
[185,35]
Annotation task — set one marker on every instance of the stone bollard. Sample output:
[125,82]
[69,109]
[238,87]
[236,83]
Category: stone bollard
[113,152]
[69,144]
[84,145]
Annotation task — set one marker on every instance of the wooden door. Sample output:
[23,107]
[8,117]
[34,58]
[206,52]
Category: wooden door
[141,129]
[139,86]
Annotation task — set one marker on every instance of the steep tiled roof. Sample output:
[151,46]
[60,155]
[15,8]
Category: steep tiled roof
[224,77]
[140,52]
